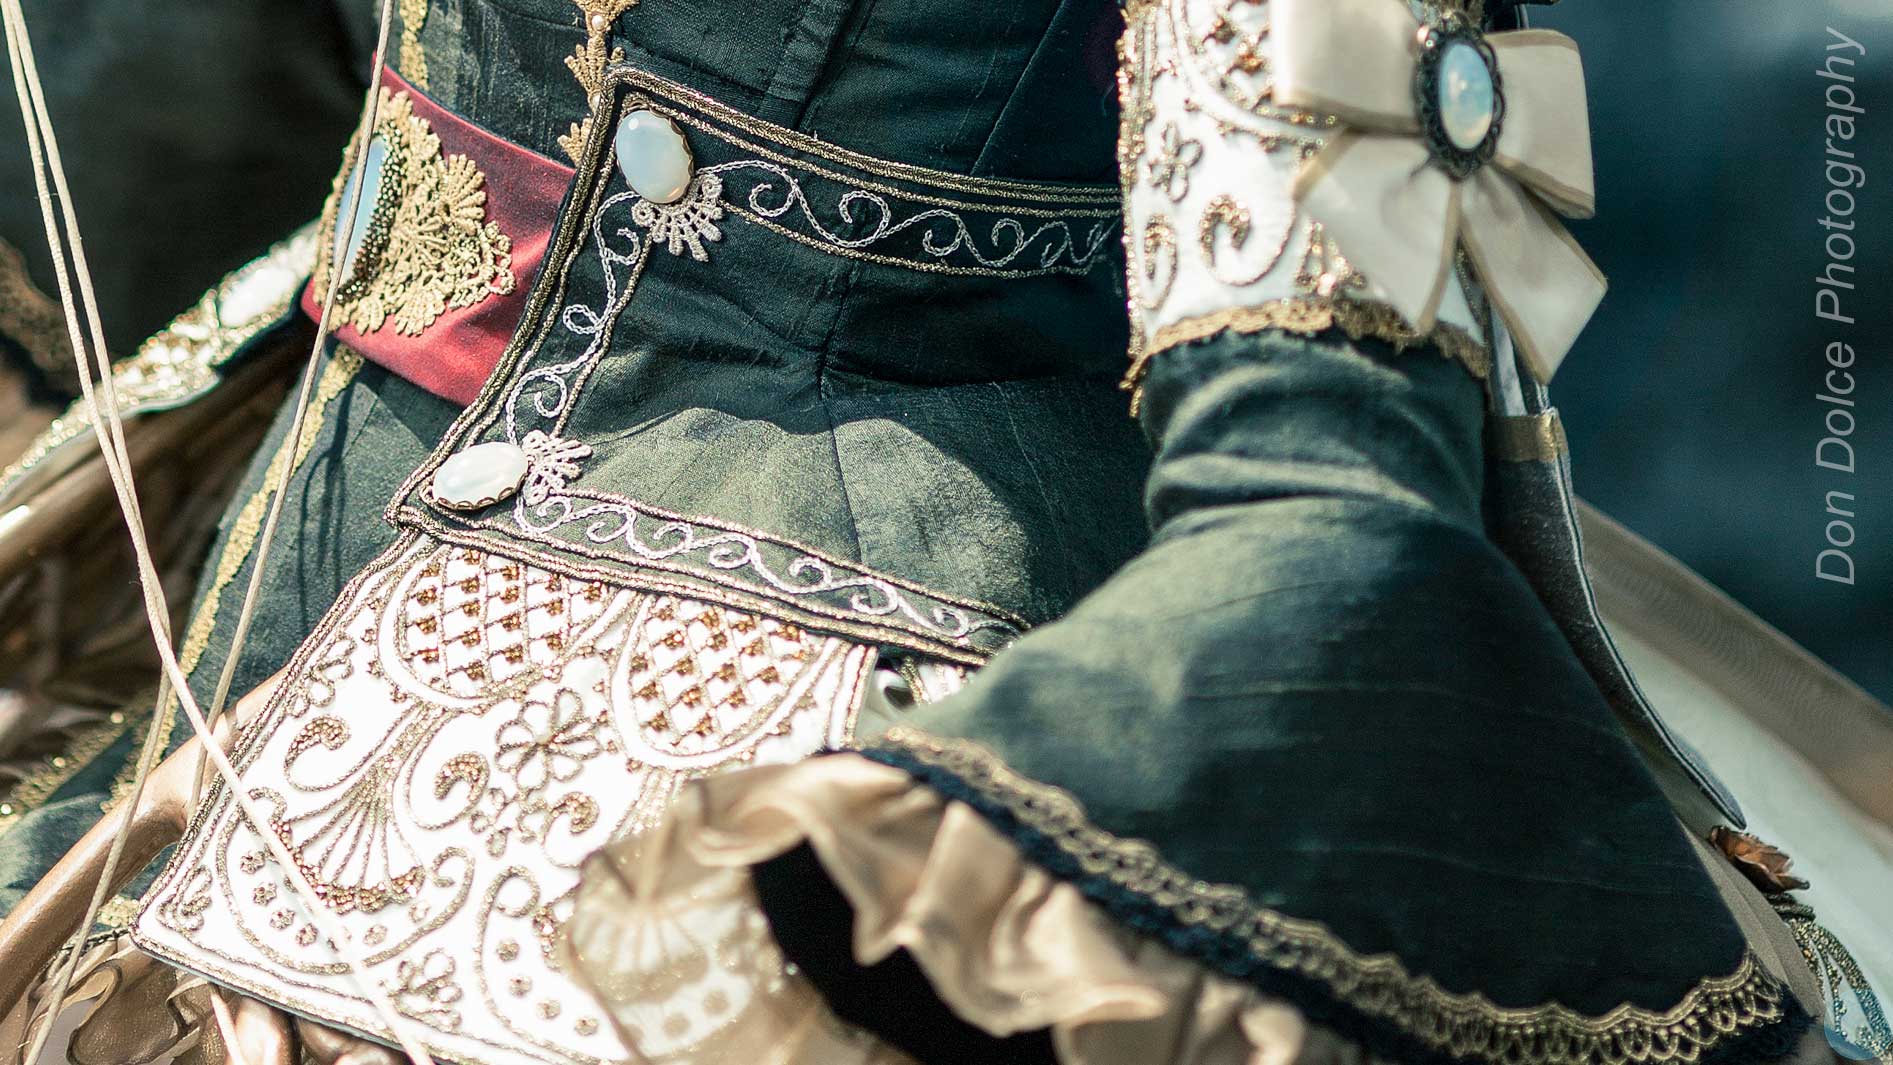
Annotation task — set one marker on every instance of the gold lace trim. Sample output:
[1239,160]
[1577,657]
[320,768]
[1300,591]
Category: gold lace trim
[428,247]
[413,62]
[1379,986]
[588,62]
[32,319]
[185,358]
[1308,316]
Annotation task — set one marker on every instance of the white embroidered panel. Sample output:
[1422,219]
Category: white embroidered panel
[1208,164]
[458,734]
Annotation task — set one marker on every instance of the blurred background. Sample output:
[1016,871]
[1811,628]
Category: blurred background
[1689,402]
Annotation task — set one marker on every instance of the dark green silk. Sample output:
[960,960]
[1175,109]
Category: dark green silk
[1018,90]
[1324,683]
[962,434]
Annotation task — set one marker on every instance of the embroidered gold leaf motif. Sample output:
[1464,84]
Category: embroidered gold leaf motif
[428,247]
[589,60]
[413,60]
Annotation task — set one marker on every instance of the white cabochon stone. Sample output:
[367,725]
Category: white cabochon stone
[654,156]
[1467,98]
[480,475]
[361,208]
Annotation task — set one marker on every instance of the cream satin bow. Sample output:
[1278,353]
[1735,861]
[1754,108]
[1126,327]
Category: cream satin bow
[1385,187]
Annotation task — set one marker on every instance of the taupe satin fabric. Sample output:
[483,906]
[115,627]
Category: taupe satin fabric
[1399,217]
[1007,946]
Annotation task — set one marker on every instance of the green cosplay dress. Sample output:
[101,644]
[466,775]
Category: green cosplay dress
[725,611]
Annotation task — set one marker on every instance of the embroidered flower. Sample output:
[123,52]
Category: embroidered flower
[1450,137]
[547,741]
[552,464]
[1765,865]
[689,222]
[1170,167]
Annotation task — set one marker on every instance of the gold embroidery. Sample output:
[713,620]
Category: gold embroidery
[183,360]
[1309,316]
[588,62]
[32,319]
[413,62]
[427,247]
[1203,147]
[1456,1025]
[444,818]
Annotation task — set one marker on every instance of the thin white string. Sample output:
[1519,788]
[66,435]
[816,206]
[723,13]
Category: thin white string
[108,427]
[293,442]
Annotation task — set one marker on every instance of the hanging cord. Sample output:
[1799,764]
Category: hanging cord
[108,426]
[297,426]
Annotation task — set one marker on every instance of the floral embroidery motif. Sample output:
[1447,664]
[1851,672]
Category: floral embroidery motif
[548,742]
[1169,169]
[427,990]
[689,222]
[428,247]
[553,464]
[498,723]
[1206,150]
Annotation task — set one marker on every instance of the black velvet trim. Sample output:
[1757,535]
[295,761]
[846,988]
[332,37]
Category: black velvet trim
[893,999]
[1232,956]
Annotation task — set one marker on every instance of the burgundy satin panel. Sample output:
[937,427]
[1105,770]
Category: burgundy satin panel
[453,357]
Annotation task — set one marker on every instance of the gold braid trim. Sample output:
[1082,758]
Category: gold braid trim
[1378,986]
[244,530]
[1309,316]
[413,61]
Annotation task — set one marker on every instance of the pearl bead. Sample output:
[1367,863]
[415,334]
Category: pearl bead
[1467,97]
[479,476]
[358,210]
[654,156]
